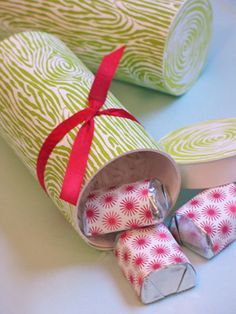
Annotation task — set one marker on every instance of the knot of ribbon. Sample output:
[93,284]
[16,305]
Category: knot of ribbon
[79,154]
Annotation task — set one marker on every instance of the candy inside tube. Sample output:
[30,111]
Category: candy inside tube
[128,206]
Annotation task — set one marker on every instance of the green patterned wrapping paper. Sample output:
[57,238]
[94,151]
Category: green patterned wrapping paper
[41,84]
[167,40]
[205,152]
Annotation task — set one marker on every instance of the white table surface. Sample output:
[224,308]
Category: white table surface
[45,268]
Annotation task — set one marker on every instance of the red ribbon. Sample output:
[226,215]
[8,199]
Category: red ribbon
[77,163]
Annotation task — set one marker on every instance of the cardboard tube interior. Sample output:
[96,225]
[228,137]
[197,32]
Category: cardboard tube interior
[130,167]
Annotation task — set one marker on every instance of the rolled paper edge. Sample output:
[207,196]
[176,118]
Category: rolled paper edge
[209,171]
[181,91]
[183,277]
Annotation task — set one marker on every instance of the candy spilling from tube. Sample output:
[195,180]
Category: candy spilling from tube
[149,257]
[207,223]
[43,84]
[129,206]
[44,90]
[153,263]
[167,41]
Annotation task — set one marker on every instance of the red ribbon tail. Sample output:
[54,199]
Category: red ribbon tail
[77,163]
[103,78]
[120,113]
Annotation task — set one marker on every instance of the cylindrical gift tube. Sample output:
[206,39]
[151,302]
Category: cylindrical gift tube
[42,84]
[167,41]
[207,223]
[153,263]
[129,206]
[205,152]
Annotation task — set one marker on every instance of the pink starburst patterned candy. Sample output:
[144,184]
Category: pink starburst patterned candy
[153,262]
[129,206]
[207,223]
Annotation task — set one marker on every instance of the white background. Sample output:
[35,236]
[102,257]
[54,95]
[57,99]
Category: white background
[46,268]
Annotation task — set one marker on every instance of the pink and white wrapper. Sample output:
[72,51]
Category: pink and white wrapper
[129,206]
[207,223]
[153,263]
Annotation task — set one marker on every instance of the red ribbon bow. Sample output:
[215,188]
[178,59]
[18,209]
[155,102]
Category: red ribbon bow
[76,166]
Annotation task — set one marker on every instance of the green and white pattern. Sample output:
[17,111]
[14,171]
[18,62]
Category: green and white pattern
[202,142]
[167,40]
[41,84]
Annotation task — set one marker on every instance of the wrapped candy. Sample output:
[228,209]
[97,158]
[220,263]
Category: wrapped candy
[167,41]
[48,113]
[129,206]
[207,223]
[153,263]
